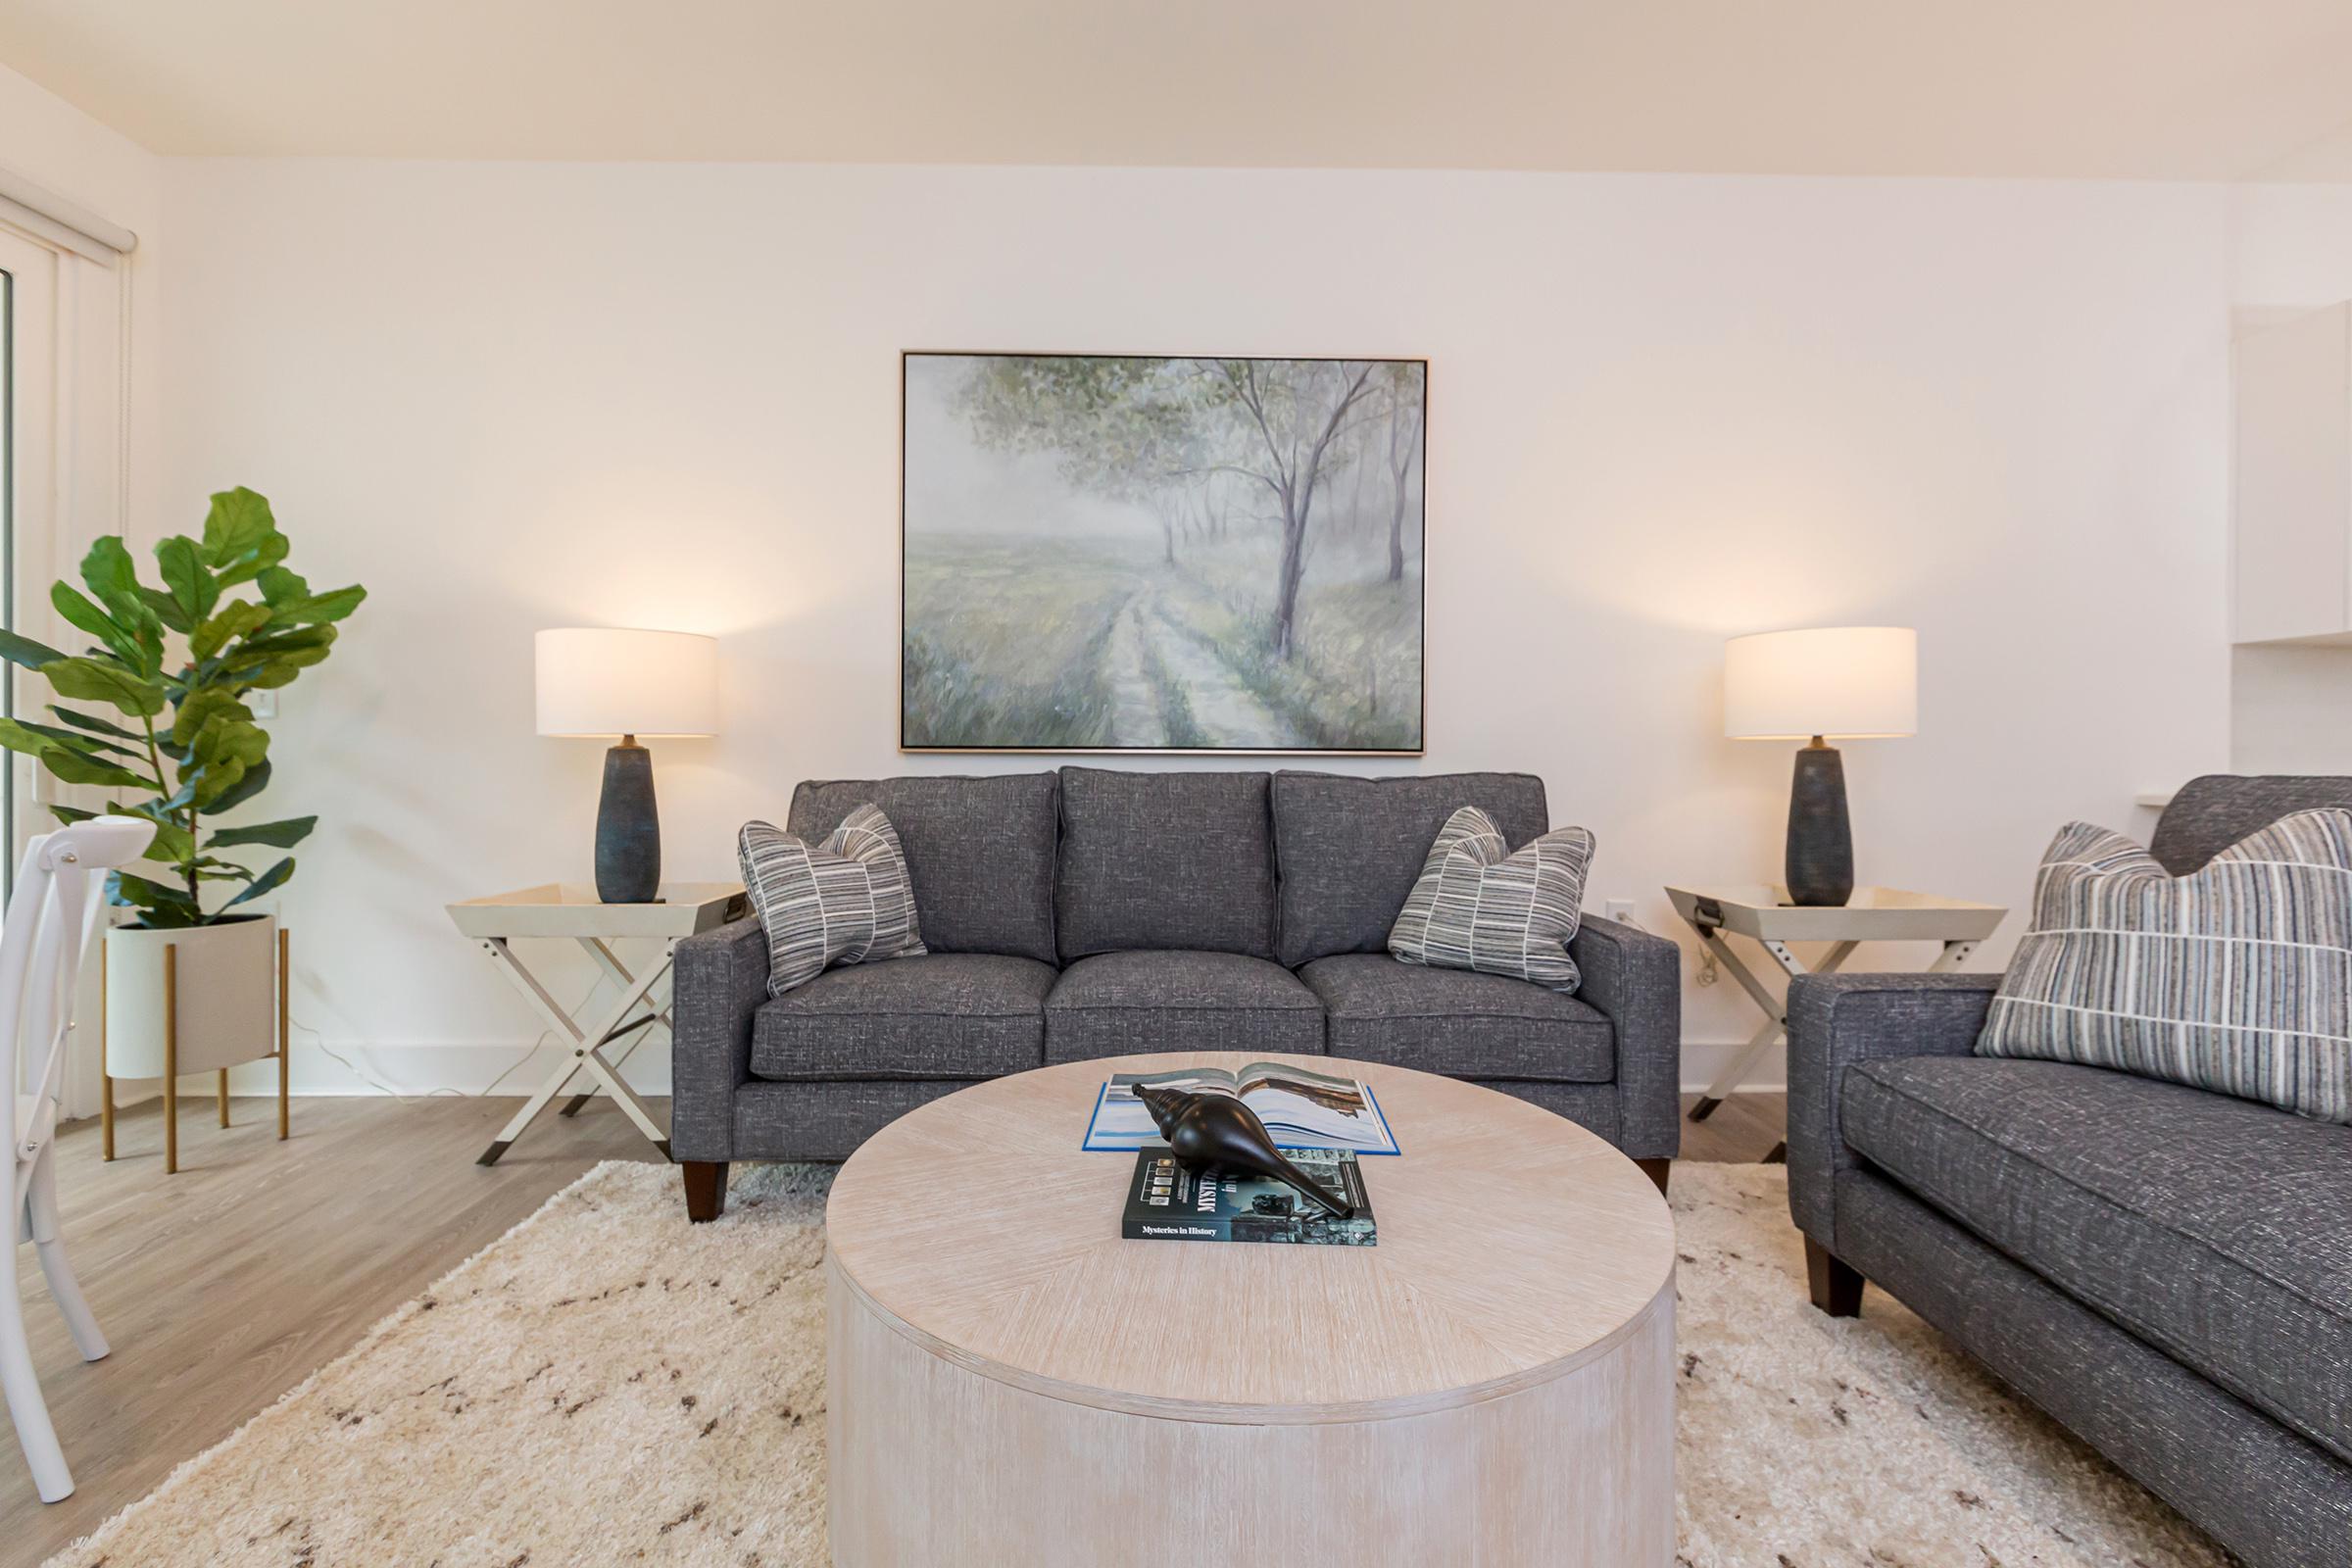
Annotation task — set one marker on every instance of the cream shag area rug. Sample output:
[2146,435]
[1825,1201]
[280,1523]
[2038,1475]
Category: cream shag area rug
[606,1384]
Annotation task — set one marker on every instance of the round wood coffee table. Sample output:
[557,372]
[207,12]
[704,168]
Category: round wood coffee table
[1009,1382]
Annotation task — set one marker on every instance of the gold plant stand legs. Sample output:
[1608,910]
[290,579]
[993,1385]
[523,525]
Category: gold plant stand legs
[285,1058]
[106,1080]
[170,1058]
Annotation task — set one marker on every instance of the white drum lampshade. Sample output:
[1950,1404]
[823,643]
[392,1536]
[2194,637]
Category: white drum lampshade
[1858,682]
[599,680]
[1854,681]
[616,680]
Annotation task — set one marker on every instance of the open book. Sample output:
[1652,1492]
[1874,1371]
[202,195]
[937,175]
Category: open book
[1302,1108]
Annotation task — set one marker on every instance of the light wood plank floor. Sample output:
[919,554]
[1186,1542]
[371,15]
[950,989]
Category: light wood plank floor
[228,1284]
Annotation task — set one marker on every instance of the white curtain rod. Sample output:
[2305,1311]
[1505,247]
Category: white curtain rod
[68,223]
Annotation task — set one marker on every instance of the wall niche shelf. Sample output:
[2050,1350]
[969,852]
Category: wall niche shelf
[2294,534]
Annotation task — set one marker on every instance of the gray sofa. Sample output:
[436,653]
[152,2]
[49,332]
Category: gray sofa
[1094,913]
[2166,1271]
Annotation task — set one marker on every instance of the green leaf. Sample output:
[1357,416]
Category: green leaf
[77,767]
[194,590]
[256,778]
[313,608]
[20,738]
[111,572]
[241,540]
[211,868]
[277,835]
[213,780]
[127,623]
[180,798]
[299,638]
[90,680]
[268,881]
[123,887]
[96,725]
[173,844]
[273,674]
[200,708]
[167,609]
[70,814]
[88,617]
[227,740]
[238,617]
[283,587]
[25,652]
[87,744]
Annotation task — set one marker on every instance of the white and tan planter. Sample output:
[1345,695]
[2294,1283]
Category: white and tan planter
[215,1005]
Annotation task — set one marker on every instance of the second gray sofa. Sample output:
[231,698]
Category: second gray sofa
[1096,913]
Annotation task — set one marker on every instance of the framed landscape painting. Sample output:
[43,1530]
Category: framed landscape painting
[1110,553]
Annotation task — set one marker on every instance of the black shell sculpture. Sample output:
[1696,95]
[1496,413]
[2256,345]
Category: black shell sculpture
[1205,1129]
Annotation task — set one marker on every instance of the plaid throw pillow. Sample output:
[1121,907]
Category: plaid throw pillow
[1478,906]
[2234,978]
[845,901]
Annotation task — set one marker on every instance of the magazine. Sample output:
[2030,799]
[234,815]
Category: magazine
[1302,1108]
[1168,1203]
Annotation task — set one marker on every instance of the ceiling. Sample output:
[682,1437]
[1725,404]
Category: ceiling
[2163,89]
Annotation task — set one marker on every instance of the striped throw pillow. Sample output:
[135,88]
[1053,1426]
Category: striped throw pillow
[1478,906]
[2236,977]
[845,901]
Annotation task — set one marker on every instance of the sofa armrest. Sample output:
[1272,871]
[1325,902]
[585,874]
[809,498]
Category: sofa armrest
[1636,980]
[719,982]
[1836,1020]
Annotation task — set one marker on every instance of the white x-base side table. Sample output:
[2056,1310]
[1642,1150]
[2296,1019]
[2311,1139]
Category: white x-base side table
[561,911]
[1764,915]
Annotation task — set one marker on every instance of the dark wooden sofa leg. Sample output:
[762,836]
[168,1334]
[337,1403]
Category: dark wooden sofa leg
[706,1187]
[1837,1285]
[1658,1171]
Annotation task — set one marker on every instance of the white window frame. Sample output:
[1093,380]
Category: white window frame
[70,443]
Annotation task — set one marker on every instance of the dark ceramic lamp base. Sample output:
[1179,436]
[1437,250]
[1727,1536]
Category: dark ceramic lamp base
[628,830]
[1821,840]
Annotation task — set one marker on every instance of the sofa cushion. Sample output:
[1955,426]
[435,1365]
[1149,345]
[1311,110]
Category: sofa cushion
[1118,1003]
[2216,1228]
[980,851]
[1461,1024]
[1181,861]
[946,1015]
[845,900]
[1479,905]
[2235,978]
[1350,849]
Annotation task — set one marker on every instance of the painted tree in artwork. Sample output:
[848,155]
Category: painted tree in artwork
[1297,411]
[1400,388]
[1117,427]
[1162,433]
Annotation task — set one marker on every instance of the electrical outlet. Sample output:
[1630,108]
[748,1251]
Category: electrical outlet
[262,703]
[1621,910]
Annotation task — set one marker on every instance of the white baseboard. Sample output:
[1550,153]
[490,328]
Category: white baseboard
[1703,1059]
[474,1067]
[415,1071]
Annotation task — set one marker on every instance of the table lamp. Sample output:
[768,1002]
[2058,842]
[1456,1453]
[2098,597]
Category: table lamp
[609,680]
[1857,682]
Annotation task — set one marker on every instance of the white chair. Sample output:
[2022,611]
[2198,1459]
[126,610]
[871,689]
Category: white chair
[51,914]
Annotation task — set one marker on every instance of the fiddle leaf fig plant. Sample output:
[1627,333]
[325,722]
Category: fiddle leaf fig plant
[170,672]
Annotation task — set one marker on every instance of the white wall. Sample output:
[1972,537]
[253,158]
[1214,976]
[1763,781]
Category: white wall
[104,468]
[2290,708]
[1663,411]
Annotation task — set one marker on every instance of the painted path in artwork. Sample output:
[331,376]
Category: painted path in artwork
[1168,689]
[1134,700]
